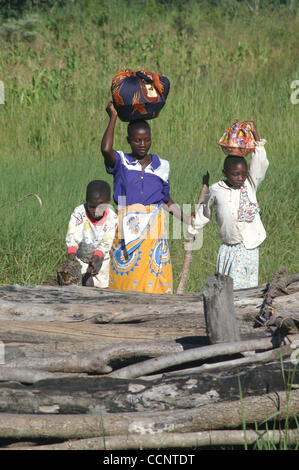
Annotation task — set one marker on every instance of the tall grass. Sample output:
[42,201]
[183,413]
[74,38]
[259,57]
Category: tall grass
[221,64]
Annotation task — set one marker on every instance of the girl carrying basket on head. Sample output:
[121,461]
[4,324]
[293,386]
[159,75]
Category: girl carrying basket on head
[237,214]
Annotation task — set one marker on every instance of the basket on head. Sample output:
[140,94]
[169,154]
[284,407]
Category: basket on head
[238,140]
[139,95]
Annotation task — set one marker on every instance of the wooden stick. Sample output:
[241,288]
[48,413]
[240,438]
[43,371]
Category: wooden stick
[195,354]
[188,249]
[176,440]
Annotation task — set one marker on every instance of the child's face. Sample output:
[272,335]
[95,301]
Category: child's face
[97,207]
[236,174]
[140,142]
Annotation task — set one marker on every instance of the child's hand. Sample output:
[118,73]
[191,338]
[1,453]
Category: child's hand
[206,179]
[95,264]
[253,129]
[111,110]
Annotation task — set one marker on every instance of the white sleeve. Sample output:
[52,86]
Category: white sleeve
[259,163]
[74,234]
[203,214]
[106,243]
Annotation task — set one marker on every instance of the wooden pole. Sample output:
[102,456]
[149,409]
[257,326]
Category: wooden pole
[188,249]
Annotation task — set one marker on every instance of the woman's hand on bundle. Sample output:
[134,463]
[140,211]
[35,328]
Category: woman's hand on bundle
[111,110]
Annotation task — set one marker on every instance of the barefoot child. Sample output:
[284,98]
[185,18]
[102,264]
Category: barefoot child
[90,234]
[237,213]
[140,258]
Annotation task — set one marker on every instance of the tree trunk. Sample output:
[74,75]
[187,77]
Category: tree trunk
[223,415]
[104,394]
[219,310]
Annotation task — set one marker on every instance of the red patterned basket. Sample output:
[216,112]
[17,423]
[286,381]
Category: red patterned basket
[238,140]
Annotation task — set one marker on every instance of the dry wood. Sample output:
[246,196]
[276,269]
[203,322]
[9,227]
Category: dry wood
[189,249]
[70,305]
[25,375]
[256,359]
[93,361]
[219,309]
[195,354]
[92,395]
[221,415]
[175,440]
[276,287]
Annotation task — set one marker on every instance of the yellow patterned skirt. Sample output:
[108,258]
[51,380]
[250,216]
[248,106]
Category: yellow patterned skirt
[140,258]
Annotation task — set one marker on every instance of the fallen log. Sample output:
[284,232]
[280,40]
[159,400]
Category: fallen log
[82,304]
[227,415]
[93,361]
[92,395]
[25,375]
[263,439]
[195,354]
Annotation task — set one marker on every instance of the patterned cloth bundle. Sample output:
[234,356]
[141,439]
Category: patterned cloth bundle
[139,95]
[237,140]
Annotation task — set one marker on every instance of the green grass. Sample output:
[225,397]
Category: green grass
[222,65]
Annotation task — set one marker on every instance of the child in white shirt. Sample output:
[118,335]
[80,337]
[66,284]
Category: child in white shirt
[237,213]
[90,234]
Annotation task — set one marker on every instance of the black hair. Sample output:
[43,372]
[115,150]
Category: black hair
[98,189]
[232,160]
[136,125]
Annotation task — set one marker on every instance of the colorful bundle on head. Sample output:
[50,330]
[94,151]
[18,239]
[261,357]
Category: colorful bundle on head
[238,140]
[139,95]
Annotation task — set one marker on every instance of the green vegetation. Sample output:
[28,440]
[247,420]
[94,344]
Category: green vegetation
[224,61]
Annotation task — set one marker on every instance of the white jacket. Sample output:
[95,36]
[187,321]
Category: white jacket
[86,238]
[227,201]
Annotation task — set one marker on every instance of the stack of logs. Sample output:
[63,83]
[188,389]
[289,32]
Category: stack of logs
[85,368]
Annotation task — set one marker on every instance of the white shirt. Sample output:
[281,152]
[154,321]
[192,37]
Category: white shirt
[86,237]
[227,201]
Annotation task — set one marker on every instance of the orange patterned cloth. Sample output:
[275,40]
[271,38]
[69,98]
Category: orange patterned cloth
[139,95]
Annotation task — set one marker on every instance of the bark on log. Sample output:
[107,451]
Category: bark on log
[25,375]
[256,359]
[225,415]
[94,361]
[264,439]
[92,395]
[219,310]
[195,354]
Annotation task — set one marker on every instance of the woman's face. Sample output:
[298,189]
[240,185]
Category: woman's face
[236,174]
[140,142]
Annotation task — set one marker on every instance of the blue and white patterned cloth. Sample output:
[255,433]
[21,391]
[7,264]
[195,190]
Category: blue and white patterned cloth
[240,264]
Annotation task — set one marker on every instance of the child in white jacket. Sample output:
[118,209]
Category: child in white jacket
[237,213]
[90,234]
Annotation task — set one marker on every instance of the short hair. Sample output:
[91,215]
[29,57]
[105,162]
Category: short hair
[136,125]
[98,189]
[232,160]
